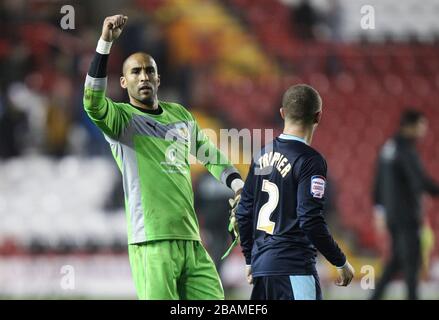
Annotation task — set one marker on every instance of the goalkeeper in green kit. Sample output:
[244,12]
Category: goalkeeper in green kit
[151,141]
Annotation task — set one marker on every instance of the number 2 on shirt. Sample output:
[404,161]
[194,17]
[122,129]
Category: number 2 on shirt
[264,222]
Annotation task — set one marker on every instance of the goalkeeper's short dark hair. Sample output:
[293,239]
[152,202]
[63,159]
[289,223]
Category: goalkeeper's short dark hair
[410,117]
[301,102]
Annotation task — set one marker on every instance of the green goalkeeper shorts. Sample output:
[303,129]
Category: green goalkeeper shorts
[174,269]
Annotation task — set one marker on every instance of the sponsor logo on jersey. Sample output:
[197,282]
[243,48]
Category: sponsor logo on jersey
[318,184]
[182,131]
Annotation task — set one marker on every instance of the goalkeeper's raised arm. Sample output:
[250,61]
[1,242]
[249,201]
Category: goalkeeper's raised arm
[95,103]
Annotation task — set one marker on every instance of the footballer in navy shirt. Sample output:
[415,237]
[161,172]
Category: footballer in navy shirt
[280,213]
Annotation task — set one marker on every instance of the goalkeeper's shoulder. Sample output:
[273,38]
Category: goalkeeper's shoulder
[177,109]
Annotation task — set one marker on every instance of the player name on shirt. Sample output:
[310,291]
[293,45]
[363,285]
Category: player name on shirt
[276,160]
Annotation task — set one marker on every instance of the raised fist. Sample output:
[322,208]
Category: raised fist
[112,27]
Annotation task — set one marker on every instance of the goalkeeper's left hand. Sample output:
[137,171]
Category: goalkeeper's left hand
[233,223]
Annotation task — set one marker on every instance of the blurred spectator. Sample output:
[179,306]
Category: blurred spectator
[333,19]
[304,19]
[27,98]
[399,184]
[59,117]
[12,127]
[57,130]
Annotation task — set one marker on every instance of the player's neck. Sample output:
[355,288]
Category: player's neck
[302,132]
[139,104]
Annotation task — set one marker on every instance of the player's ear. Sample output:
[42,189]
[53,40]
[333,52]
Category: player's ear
[282,113]
[123,82]
[318,117]
[158,80]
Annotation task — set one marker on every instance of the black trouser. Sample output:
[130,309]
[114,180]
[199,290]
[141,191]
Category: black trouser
[405,257]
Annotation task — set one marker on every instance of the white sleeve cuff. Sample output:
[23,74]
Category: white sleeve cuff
[103,46]
[237,184]
[343,265]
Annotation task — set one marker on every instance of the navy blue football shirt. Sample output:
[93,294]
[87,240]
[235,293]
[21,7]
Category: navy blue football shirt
[280,214]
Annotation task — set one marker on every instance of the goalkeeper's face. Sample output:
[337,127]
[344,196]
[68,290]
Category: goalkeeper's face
[140,78]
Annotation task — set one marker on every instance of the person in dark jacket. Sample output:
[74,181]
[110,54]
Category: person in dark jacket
[400,183]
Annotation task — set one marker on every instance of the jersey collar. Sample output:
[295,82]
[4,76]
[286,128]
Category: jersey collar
[156,112]
[291,137]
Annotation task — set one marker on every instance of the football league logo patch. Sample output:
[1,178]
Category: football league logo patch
[318,184]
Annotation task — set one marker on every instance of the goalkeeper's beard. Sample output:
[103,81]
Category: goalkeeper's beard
[148,101]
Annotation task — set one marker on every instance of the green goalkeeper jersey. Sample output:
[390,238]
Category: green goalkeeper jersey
[152,152]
